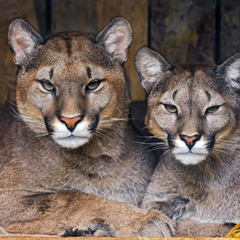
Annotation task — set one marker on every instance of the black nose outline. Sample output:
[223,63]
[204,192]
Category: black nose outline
[190,140]
[71,126]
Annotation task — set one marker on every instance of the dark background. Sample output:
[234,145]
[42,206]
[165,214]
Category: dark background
[181,30]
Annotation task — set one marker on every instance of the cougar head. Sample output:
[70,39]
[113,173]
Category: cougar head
[71,85]
[193,107]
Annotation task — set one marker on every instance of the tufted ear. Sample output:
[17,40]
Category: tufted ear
[150,66]
[116,38]
[231,69]
[23,40]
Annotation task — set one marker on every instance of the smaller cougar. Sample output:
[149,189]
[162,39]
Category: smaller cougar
[194,109]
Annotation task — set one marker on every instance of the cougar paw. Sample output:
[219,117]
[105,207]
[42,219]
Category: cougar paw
[156,224]
[74,232]
[97,228]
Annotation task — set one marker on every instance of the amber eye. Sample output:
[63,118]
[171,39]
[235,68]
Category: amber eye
[212,109]
[47,85]
[170,108]
[93,85]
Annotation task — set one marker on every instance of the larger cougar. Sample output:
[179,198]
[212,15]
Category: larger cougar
[67,156]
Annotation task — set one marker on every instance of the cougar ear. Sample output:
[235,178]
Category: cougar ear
[231,70]
[23,40]
[150,66]
[116,38]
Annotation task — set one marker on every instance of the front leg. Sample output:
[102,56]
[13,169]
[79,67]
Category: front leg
[56,213]
[173,208]
[163,193]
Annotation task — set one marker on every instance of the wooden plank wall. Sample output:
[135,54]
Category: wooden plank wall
[183,30]
[186,30]
[229,28]
[10,10]
[195,30]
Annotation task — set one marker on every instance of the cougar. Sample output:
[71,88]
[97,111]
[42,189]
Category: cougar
[193,109]
[69,161]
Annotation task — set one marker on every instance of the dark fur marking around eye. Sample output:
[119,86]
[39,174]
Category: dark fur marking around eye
[51,73]
[69,46]
[190,104]
[94,124]
[208,95]
[48,126]
[174,94]
[89,72]
[211,142]
[170,141]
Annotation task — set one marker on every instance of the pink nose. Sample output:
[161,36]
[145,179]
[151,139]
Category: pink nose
[71,122]
[190,140]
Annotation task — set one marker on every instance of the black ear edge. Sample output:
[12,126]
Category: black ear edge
[117,21]
[22,24]
[222,67]
[116,39]
[150,66]
[147,51]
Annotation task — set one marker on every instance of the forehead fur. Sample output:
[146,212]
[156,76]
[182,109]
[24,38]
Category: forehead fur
[189,76]
[69,47]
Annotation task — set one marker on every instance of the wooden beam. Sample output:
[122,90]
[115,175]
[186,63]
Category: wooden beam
[183,30]
[89,238]
[230,29]
[74,15]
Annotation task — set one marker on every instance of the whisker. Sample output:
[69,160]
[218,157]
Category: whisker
[225,141]
[157,149]
[9,101]
[42,135]
[98,134]
[148,137]
[152,143]
[165,152]
[102,130]
[112,120]
[28,119]
[218,151]
[144,128]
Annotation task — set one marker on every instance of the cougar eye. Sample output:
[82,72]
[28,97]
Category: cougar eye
[93,85]
[170,108]
[47,85]
[212,109]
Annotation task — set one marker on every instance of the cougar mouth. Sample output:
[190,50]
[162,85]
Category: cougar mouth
[69,138]
[190,156]
[72,141]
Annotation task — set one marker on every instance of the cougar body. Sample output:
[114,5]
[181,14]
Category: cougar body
[68,156]
[194,109]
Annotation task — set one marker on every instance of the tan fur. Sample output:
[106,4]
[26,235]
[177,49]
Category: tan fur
[70,142]
[194,109]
